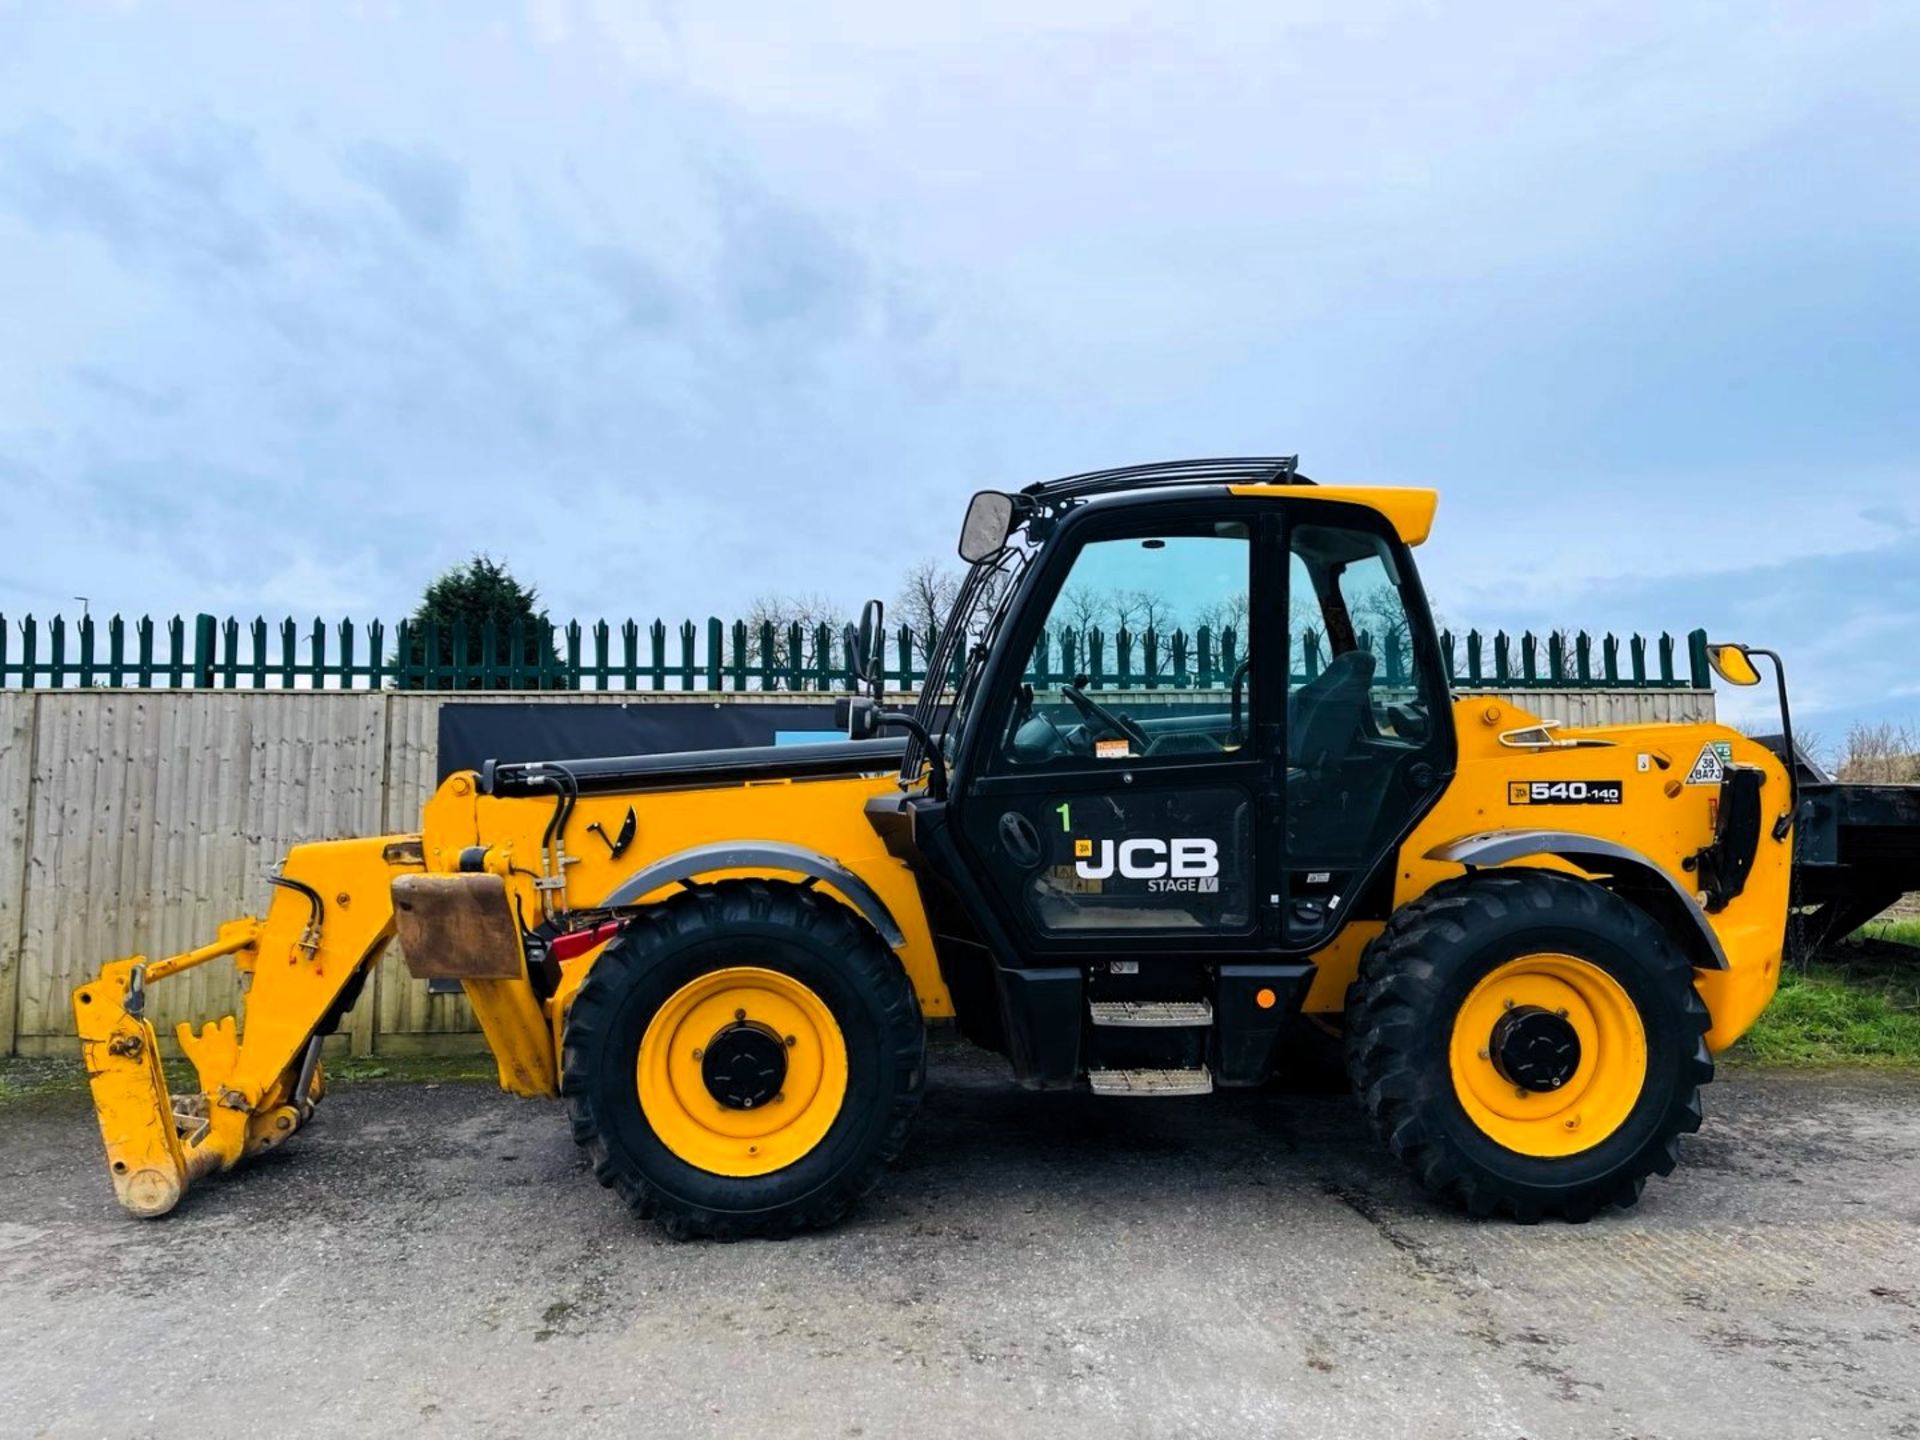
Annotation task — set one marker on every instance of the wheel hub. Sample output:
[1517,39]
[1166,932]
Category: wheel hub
[1535,1048]
[744,1066]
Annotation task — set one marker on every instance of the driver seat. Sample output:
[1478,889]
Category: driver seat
[1323,717]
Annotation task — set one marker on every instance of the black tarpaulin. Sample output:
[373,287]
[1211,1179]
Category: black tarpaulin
[472,733]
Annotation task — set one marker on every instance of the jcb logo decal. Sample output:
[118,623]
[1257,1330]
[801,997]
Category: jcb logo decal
[1191,863]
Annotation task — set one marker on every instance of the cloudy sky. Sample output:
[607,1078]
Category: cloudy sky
[674,305]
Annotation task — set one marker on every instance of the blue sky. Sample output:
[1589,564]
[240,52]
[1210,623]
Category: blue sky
[673,306]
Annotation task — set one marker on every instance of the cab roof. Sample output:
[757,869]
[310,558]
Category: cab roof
[1410,511]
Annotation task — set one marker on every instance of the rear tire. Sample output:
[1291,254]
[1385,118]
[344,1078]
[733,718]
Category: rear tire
[1424,1073]
[826,963]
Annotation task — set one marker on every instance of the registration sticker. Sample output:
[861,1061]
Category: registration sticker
[1711,767]
[1112,750]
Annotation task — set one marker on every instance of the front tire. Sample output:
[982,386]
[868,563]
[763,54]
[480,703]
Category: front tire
[744,1060]
[1528,1043]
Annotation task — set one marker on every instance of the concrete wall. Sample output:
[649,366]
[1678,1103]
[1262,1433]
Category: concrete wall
[137,820]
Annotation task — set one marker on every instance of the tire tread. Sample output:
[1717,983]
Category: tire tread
[712,910]
[1397,992]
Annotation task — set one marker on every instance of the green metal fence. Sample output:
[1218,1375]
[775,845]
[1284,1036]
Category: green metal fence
[227,654]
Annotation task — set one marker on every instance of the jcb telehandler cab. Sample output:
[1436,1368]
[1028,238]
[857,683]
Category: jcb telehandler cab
[1531,937]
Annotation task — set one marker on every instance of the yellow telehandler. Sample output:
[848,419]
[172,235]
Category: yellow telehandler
[1532,937]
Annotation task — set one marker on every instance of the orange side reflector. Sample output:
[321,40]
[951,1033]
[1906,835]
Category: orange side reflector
[1265,998]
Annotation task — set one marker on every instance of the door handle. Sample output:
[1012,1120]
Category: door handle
[1020,840]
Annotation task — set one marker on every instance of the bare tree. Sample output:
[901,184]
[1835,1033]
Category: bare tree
[1150,611]
[1378,613]
[1080,608]
[1227,613]
[1881,754]
[926,595]
[783,612]
[1144,612]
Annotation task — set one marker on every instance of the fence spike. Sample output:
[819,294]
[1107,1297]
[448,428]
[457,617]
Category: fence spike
[116,650]
[258,640]
[318,653]
[85,629]
[1701,671]
[29,644]
[205,631]
[346,654]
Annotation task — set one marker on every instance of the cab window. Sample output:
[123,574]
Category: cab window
[1358,700]
[1143,655]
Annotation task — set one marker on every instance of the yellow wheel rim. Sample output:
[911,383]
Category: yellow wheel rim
[777,1129]
[1590,1103]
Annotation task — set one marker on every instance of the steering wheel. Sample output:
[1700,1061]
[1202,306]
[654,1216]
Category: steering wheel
[1096,714]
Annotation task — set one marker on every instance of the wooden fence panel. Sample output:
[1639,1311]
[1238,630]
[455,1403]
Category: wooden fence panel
[16,797]
[156,816]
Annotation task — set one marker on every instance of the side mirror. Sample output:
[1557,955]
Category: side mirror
[984,532]
[863,653]
[863,659]
[1732,664]
[873,620]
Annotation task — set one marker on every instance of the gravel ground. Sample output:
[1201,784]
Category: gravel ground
[437,1258]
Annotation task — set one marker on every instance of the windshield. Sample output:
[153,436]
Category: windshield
[965,642]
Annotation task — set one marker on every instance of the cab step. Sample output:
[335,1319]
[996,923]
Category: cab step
[1198,1081]
[1155,1013]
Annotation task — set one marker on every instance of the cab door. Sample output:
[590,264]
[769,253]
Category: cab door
[1369,741]
[1117,792]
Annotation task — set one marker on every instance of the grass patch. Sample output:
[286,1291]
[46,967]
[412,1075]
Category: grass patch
[33,1077]
[1842,1010]
[23,1078]
[428,1068]
[1894,932]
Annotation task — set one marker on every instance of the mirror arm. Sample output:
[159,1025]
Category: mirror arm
[862,718]
[1785,822]
[902,720]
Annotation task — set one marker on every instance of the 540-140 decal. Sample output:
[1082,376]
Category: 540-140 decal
[1563,792]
